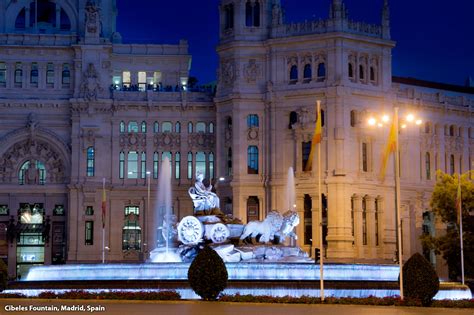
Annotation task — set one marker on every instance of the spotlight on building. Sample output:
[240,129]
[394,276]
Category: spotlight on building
[221,179]
[410,117]
[372,121]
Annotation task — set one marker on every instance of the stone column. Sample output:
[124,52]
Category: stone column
[358,226]
[371,228]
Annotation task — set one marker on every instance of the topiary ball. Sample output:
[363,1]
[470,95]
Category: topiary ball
[3,276]
[207,274]
[420,280]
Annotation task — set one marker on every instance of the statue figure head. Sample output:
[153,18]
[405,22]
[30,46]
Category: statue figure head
[199,176]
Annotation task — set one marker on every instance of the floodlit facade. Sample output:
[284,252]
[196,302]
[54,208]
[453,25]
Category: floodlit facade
[79,106]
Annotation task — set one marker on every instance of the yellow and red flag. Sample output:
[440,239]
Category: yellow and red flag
[103,204]
[317,136]
[390,148]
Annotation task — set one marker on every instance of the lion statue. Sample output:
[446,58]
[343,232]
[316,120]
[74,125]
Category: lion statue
[274,224]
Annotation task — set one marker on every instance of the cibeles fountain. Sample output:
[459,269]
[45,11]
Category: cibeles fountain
[261,255]
[257,241]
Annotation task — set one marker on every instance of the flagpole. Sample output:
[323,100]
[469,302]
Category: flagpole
[397,200]
[321,248]
[460,229]
[103,225]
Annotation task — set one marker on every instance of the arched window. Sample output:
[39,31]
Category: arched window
[20,22]
[190,165]
[293,74]
[307,73]
[90,161]
[252,160]
[156,127]
[229,162]
[166,126]
[122,127]
[132,164]
[229,16]
[32,173]
[190,127]
[155,165]
[427,127]
[293,119]
[365,157]
[361,72]
[321,70]
[18,73]
[428,165]
[132,126]
[177,127]
[143,127]
[121,165]
[34,73]
[177,167]
[253,209]
[66,74]
[131,231]
[201,163]
[211,127]
[351,70]
[252,120]
[201,126]
[372,74]
[252,13]
[451,131]
[211,165]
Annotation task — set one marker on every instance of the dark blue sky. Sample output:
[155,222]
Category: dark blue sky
[435,38]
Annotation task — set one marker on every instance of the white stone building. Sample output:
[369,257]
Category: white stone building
[79,106]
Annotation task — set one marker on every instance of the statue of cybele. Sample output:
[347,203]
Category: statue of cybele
[203,197]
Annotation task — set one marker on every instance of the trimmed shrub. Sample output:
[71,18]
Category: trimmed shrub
[420,280]
[207,274]
[3,276]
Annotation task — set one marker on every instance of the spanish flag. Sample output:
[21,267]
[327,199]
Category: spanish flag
[316,138]
[103,203]
[390,148]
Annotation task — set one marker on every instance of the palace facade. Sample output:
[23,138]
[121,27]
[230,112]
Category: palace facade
[78,106]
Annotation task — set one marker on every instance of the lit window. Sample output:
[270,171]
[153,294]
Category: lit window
[190,127]
[177,127]
[131,210]
[252,160]
[166,126]
[143,127]
[126,79]
[201,162]
[156,127]
[122,127]
[132,164]
[211,165]
[89,210]
[200,127]
[252,121]
[143,164]
[177,167]
[3,73]
[211,127]
[155,165]
[142,80]
[132,126]
[90,161]
[121,165]
[32,173]
[89,233]
[190,165]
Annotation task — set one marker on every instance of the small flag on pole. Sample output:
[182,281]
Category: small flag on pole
[458,202]
[103,203]
[316,138]
[390,148]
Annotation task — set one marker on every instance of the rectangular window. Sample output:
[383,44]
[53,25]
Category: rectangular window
[18,73]
[3,73]
[428,165]
[142,81]
[4,210]
[132,164]
[132,209]
[211,165]
[377,206]
[89,210]
[252,160]
[121,165]
[143,165]
[305,150]
[50,73]
[364,221]
[201,163]
[365,165]
[89,233]
[34,73]
[90,161]
[126,79]
[155,165]
[66,74]
[177,168]
[190,165]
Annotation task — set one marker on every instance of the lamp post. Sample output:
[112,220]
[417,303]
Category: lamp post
[145,230]
[397,124]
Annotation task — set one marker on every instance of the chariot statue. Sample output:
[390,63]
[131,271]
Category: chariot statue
[203,197]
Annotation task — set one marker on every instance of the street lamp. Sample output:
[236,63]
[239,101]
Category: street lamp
[145,230]
[397,124]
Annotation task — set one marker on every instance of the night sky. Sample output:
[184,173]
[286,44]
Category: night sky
[435,38]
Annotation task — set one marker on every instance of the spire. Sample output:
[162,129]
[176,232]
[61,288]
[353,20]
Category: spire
[386,19]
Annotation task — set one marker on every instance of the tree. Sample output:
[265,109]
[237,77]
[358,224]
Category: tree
[443,204]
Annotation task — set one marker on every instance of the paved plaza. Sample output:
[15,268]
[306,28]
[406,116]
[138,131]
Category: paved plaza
[23,306]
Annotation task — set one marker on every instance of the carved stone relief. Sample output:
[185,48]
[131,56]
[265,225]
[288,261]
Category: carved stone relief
[201,141]
[133,141]
[90,85]
[167,140]
[252,71]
